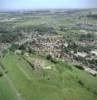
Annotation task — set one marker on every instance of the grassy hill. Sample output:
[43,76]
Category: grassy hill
[62,82]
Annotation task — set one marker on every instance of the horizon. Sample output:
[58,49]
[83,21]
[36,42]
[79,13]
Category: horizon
[32,10]
[17,5]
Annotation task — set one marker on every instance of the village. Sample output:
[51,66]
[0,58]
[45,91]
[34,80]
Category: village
[55,46]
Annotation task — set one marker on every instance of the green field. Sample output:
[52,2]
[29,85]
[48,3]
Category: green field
[6,90]
[62,82]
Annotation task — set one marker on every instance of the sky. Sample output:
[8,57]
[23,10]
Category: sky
[46,4]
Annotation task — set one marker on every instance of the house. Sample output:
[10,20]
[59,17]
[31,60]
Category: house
[18,51]
[81,54]
[91,71]
[94,52]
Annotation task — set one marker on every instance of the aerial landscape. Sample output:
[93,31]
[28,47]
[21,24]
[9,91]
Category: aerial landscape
[48,54]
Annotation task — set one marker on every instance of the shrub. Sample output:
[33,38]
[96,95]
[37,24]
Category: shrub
[80,82]
[79,67]
[49,57]
[1,74]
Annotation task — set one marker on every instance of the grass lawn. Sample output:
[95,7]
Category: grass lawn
[6,90]
[64,82]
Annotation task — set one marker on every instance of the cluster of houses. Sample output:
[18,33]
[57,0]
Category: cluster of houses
[48,44]
[4,46]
